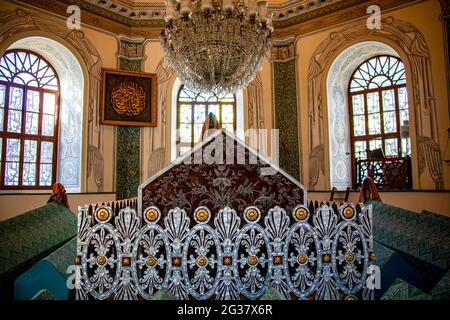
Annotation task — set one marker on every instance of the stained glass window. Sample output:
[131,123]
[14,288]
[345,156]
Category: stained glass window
[379,108]
[29,94]
[192,111]
[378,72]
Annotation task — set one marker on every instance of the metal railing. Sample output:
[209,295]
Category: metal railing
[318,251]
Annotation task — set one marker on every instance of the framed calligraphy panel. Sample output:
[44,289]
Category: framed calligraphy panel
[128,98]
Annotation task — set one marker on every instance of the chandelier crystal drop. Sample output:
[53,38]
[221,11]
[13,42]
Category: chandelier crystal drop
[216,45]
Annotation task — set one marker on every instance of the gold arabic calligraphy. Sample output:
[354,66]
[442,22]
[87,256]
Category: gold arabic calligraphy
[128,98]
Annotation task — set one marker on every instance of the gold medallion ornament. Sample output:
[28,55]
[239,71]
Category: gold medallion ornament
[202,215]
[126,261]
[102,214]
[326,258]
[176,261]
[227,261]
[251,214]
[348,213]
[101,260]
[202,261]
[302,259]
[152,215]
[252,260]
[277,260]
[301,214]
[349,257]
[151,261]
[372,256]
[128,98]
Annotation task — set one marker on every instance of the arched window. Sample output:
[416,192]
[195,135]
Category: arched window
[192,110]
[379,114]
[29,99]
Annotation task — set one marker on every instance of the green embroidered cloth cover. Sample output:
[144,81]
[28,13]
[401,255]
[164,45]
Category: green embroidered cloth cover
[402,290]
[442,290]
[27,238]
[50,274]
[425,236]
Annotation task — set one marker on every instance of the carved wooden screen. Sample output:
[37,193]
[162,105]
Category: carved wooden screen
[192,111]
[29,99]
[378,104]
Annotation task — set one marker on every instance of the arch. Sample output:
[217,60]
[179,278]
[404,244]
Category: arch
[31,89]
[19,24]
[338,78]
[71,106]
[410,45]
[223,106]
[239,96]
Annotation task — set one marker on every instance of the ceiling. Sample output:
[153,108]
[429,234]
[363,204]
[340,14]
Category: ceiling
[139,2]
[146,17]
[138,9]
[153,1]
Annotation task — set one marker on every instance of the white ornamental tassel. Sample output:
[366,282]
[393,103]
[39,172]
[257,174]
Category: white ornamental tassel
[269,22]
[207,5]
[170,10]
[185,7]
[252,8]
[227,5]
[262,11]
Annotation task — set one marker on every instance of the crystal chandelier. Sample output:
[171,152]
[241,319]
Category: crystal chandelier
[216,45]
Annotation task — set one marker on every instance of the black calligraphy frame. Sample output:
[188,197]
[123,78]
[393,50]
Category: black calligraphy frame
[147,81]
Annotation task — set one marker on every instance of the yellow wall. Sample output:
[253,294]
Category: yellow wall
[12,205]
[422,15]
[107,46]
[305,49]
[266,76]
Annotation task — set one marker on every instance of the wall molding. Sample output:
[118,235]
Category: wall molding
[159,148]
[255,112]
